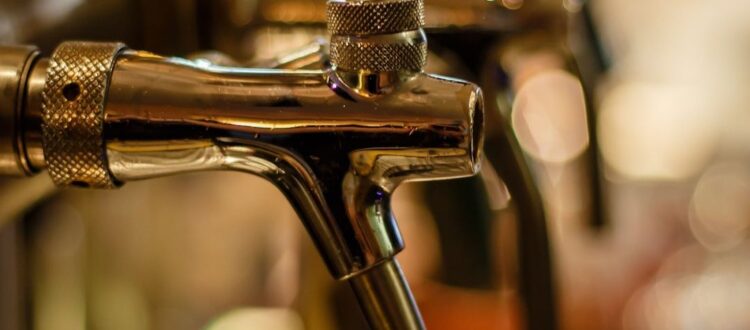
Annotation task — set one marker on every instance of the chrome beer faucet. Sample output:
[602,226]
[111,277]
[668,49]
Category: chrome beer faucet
[337,142]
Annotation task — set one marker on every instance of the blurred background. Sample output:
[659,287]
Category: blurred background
[632,114]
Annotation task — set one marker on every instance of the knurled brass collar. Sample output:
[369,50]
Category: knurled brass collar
[391,53]
[377,35]
[74,95]
[374,17]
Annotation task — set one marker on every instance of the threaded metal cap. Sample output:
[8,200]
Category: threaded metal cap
[377,36]
[378,55]
[374,17]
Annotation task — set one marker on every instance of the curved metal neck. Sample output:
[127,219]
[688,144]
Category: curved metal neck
[325,145]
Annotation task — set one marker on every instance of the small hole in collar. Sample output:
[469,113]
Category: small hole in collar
[71,91]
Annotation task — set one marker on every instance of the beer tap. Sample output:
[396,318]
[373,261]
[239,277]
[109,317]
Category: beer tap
[337,141]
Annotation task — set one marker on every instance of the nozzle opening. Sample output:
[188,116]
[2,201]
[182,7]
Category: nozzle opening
[477,128]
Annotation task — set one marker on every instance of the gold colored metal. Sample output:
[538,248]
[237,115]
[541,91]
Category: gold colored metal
[15,63]
[405,51]
[73,113]
[377,36]
[374,17]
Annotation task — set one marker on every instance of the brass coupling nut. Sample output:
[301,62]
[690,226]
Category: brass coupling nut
[74,96]
[377,36]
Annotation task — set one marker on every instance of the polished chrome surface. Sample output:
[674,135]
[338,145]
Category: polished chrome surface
[73,99]
[32,115]
[311,56]
[15,63]
[336,154]
[385,295]
[320,135]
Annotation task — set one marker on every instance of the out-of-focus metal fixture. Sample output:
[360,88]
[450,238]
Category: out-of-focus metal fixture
[336,141]
[15,64]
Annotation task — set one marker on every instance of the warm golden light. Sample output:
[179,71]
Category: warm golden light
[651,131]
[549,117]
[258,318]
[720,214]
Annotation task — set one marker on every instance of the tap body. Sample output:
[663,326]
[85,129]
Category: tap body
[336,141]
[337,144]
[328,148]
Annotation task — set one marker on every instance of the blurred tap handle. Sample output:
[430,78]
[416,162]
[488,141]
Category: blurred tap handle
[562,42]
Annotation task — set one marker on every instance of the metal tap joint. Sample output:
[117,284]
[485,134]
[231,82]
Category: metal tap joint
[337,142]
[377,36]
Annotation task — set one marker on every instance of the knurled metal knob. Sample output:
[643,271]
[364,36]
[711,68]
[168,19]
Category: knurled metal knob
[374,17]
[378,35]
[74,96]
[379,55]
